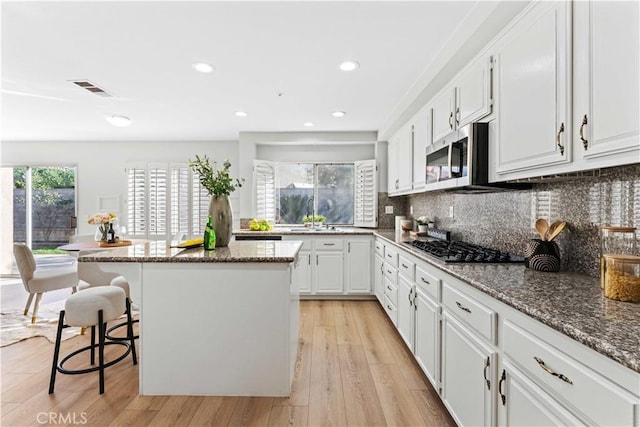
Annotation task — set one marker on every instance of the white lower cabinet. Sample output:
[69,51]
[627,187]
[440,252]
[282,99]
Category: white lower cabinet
[521,402]
[427,336]
[406,311]
[329,272]
[493,365]
[335,265]
[468,374]
[358,268]
[303,272]
[378,277]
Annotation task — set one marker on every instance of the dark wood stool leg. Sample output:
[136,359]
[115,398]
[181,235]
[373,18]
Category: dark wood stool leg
[130,333]
[56,352]
[101,332]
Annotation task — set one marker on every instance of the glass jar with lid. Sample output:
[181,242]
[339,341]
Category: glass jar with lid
[621,277]
[616,240]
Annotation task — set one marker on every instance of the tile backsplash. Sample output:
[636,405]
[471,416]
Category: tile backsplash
[504,220]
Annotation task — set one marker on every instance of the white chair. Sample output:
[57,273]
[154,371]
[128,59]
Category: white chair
[36,282]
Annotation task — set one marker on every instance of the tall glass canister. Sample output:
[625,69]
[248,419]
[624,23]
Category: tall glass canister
[615,241]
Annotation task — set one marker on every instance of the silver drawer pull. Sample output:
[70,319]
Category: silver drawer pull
[388,287]
[551,371]
[405,266]
[328,244]
[389,256]
[389,271]
[389,307]
[425,281]
[462,307]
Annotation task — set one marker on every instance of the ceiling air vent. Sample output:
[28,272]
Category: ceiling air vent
[87,85]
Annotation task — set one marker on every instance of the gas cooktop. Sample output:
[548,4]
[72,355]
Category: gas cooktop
[458,251]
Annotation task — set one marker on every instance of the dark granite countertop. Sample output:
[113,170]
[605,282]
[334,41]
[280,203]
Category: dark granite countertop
[159,251]
[570,303]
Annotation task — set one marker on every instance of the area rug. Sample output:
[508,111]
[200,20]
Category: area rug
[15,326]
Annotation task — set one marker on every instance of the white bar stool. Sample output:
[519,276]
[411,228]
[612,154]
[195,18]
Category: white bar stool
[93,307]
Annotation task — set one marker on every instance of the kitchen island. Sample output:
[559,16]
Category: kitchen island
[219,323]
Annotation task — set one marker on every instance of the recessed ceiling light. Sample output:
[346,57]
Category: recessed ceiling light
[119,121]
[202,67]
[338,114]
[308,124]
[241,114]
[349,65]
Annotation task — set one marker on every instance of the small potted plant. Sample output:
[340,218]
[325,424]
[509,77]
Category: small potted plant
[423,223]
[309,220]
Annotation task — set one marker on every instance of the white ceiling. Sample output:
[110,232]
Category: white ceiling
[142,52]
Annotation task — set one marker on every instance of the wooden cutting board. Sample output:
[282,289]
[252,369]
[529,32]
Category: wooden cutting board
[116,244]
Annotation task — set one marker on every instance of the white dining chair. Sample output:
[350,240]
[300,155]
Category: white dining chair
[36,282]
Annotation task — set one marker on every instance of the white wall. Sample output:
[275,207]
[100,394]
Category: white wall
[298,146]
[101,165]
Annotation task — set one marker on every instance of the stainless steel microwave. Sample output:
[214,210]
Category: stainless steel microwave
[460,159]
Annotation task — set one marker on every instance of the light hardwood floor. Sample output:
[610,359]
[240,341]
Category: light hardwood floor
[353,369]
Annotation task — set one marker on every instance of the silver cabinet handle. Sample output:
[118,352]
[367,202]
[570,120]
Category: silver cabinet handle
[551,371]
[585,142]
[462,307]
[389,307]
[410,300]
[405,266]
[329,244]
[451,120]
[389,271]
[457,115]
[425,281]
[558,143]
[389,287]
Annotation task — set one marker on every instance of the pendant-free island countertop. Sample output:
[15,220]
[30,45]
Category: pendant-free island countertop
[221,322]
[160,251]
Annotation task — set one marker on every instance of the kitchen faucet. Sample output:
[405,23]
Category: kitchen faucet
[313,217]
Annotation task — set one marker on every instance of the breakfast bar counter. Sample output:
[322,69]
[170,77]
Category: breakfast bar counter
[218,323]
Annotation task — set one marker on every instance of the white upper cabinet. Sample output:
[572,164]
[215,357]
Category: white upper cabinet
[466,99]
[473,92]
[606,48]
[400,159]
[532,92]
[421,139]
[443,113]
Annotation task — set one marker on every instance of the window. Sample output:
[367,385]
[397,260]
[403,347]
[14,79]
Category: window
[165,202]
[286,192]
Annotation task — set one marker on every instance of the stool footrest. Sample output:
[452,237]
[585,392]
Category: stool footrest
[63,370]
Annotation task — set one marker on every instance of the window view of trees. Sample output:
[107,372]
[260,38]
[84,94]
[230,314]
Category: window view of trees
[296,184]
[53,204]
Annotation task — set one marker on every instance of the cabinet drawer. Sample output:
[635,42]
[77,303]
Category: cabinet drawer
[306,243]
[390,273]
[391,292]
[391,257]
[428,283]
[406,268]
[379,246]
[391,310]
[329,244]
[472,312]
[600,400]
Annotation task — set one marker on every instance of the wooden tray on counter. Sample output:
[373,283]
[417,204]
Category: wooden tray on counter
[116,244]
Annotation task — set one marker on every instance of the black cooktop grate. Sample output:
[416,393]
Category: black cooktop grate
[458,251]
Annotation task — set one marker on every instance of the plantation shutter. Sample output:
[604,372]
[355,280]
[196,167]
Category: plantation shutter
[200,204]
[366,194]
[136,201]
[158,202]
[180,212]
[264,189]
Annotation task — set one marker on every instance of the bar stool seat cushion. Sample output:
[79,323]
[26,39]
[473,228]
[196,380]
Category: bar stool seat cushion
[122,283]
[81,308]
